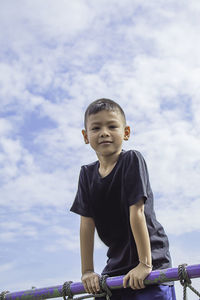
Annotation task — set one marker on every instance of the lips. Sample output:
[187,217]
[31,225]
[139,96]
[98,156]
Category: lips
[105,142]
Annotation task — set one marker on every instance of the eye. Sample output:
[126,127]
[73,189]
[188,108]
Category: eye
[112,126]
[95,128]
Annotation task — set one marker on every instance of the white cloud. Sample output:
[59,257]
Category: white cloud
[15,160]
[37,189]
[180,219]
[10,235]
[45,21]
[65,239]
[5,126]
[71,244]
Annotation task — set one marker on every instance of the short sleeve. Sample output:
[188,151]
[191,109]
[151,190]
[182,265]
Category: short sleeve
[136,179]
[81,201]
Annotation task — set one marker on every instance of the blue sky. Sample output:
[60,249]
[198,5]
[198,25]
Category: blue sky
[55,58]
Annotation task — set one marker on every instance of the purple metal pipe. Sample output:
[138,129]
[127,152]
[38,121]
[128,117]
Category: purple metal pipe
[156,277]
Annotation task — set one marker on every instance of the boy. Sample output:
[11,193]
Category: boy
[114,196]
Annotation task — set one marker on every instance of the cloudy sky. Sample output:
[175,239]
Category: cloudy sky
[55,58]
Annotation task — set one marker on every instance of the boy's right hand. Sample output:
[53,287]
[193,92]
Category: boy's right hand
[90,281]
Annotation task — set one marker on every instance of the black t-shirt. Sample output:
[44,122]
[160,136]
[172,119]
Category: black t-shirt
[107,201]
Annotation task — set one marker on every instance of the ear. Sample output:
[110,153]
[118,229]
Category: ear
[84,133]
[127,131]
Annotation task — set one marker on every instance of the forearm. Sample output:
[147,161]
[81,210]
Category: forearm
[140,233]
[87,229]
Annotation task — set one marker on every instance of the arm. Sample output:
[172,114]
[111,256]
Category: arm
[140,232]
[89,278]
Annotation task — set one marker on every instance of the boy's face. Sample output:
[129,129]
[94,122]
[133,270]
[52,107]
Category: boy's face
[105,132]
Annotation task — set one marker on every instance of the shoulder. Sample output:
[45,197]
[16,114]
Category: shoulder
[134,160]
[132,155]
[89,169]
[90,166]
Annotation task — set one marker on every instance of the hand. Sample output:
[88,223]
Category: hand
[90,281]
[136,277]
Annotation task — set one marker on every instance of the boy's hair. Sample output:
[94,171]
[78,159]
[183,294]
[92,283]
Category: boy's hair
[103,104]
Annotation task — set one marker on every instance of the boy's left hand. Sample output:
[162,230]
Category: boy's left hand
[136,277]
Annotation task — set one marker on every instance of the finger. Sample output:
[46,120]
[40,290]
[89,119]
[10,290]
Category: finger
[86,287]
[97,286]
[138,283]
[141,283]
[126,278]
[93,286]
[90,289]
[132,283]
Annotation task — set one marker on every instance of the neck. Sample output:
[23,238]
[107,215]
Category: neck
[107,163]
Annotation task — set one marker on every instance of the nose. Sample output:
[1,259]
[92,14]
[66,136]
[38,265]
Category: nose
[104,132]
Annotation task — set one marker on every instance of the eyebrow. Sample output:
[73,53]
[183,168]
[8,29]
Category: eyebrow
[109,122]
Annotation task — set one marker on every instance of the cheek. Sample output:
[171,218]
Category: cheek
[93,144]
[92,139]
[120,136]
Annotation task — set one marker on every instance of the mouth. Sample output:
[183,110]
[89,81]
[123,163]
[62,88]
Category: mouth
[105,142]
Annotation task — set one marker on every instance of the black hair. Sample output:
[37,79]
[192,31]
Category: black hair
[103,104]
